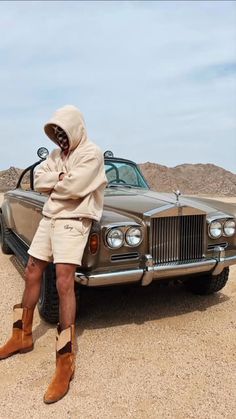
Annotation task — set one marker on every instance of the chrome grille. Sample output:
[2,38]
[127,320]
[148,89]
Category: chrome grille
[177,239]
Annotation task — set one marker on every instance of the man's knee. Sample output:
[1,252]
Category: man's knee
[34,269]
[64,285]
[65,280]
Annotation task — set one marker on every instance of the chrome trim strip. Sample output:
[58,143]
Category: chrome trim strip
[109,278]
[156,211]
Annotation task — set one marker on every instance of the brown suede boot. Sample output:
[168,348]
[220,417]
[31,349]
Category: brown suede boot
[21,340]
[65,365]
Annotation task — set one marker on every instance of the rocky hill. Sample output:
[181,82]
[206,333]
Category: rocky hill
[8,178]
[188,178]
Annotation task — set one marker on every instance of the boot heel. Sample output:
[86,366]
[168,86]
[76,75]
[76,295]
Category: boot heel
[25,350]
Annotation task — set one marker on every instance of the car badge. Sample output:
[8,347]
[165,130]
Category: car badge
[177,195]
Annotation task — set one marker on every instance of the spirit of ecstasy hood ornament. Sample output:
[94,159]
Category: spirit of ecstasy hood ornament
[177,195]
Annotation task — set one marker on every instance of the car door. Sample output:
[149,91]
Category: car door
[26,209]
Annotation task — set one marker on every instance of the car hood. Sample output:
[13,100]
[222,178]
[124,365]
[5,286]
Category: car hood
[138,202]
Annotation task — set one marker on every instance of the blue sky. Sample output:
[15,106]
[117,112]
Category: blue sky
[156,81]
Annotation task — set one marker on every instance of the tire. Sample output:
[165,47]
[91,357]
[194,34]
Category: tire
[4,233]
[48,304]
[208,284]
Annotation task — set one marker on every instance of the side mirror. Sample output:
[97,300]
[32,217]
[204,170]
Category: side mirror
[108,153]
[43,153]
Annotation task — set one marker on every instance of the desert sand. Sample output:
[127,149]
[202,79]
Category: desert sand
[142,353]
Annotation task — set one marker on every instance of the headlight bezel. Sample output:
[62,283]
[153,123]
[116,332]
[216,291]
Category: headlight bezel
[124,231]
[222,225]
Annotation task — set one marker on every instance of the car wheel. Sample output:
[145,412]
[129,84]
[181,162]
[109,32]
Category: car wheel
[208,284]
[4,233]
[48,304]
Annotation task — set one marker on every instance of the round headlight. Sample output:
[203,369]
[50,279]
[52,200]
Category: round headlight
[115,238]
[133,236]
[215,229]
[229,228]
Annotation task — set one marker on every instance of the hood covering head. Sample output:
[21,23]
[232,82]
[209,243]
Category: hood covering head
[71,120]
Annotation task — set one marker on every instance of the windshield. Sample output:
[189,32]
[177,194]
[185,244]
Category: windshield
[125,174]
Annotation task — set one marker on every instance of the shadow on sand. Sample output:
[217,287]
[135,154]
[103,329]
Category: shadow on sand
[120,305]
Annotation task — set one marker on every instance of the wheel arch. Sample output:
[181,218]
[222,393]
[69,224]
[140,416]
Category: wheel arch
[6,213]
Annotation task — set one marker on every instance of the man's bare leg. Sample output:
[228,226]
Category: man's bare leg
[65,341]
[65,286]
[21,340]
[33,276]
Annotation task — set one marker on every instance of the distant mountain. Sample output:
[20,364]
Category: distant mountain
[188,178]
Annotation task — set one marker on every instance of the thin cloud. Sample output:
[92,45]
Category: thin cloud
[214,71]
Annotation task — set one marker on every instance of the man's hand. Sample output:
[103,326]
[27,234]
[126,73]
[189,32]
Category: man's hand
[61,176]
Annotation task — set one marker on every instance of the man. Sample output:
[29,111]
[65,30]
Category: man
[74,179]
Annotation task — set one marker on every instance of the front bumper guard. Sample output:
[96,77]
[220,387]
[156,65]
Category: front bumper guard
[150,272]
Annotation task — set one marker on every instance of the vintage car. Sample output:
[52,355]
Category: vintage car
[143,235]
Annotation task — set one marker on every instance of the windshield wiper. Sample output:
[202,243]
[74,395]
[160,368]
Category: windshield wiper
[122,185]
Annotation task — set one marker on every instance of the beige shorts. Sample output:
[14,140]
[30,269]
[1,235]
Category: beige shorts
[61,240]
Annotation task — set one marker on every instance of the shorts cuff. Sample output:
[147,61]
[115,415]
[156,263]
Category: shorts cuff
[71,262]
[40,257]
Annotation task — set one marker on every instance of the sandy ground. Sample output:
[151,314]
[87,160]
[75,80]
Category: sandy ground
[142,353]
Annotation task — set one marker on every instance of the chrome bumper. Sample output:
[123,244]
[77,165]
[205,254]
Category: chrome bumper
[151,272]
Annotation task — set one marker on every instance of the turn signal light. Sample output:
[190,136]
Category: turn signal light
[94,243]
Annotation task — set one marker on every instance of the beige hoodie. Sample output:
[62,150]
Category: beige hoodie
[80,193]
